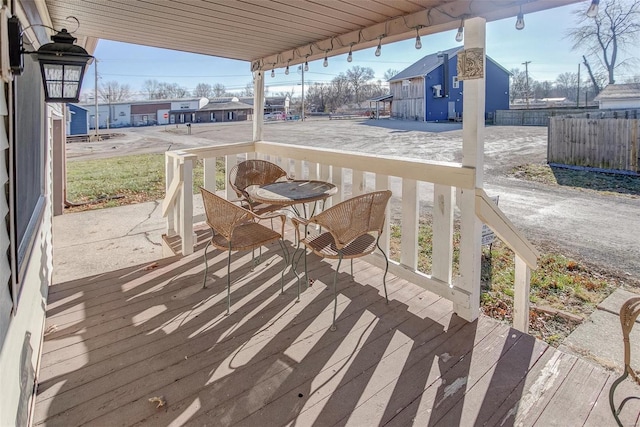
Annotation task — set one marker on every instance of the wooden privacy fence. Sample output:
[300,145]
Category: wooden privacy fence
[599,143]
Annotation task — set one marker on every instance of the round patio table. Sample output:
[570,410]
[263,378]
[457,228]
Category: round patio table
[288,193]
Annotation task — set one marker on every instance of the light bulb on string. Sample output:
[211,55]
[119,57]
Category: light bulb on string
[273,73]
[592,12]
[379,48]
[286,70]
[520,20]
[460,33]
[306,66]
[325,63]
[418,41]
[350,56]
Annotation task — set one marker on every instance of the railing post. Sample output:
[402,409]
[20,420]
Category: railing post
[442,241]
[357,182]
[336,178]
[521,289]
[472,156]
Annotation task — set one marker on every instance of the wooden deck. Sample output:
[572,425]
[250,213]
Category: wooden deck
[118,340]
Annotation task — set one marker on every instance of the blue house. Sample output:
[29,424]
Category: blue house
[429,90]
[77,120]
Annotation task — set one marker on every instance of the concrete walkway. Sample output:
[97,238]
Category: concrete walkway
[99,241]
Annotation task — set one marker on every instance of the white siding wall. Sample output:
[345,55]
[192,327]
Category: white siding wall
[619,103]
[408,101]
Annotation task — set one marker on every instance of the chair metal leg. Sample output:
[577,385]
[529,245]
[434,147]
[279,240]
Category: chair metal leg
[616,411]
[294,266]
[384,278]
[335,293]
[285,252]
[206,267]
[229,282]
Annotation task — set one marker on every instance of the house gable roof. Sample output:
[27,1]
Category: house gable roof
[429,63]
[619,91]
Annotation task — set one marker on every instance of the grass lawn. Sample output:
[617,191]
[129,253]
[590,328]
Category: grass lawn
[95,184]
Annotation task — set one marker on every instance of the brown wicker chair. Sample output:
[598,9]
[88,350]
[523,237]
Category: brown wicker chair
[234,228]
[254,172]
[628,314]
[349,230]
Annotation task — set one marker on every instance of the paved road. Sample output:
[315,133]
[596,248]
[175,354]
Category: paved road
[598,228]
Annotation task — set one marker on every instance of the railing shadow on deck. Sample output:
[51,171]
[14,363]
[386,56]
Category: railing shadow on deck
[141,333]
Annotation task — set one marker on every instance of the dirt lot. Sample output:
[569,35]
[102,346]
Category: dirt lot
[598,228]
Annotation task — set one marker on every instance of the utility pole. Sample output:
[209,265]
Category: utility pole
[526,86]
[95,96]
[578,91]
[108,95]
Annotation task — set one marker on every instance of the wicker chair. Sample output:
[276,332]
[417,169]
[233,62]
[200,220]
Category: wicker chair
[254,172]
[628,314]
[234,228]
[349,230]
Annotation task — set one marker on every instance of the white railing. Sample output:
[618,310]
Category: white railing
[356,173]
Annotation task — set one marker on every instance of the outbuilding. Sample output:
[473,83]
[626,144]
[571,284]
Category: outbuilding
[619,96]
[429,90]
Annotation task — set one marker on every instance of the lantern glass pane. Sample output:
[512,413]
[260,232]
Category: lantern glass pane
[72,73]
[53,72]
[54,89]
[70,89]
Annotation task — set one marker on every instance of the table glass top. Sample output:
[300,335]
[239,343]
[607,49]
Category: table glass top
[294,191]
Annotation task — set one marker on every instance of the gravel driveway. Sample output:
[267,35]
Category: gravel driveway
[600,229]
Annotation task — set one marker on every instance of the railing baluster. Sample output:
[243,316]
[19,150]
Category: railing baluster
[186,202]
[357,182]
[409,243]
[210,172]
[298,170]
[336,178]
[442,254]
[382,183]
[169,168]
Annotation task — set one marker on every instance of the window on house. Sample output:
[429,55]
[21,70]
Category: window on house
[456,83]
[28,171]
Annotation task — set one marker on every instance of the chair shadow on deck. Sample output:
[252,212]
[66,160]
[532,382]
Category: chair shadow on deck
[135,334]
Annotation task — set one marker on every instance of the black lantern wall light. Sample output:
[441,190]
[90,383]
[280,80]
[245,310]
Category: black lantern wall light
[62,63]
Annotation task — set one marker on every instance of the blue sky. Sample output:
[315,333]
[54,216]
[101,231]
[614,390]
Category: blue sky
[542,42]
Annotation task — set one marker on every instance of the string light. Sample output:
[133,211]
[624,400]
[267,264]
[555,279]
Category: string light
[592,12]
[286,70]
[520,20]
[418,42]
[326,60]
[350,56]
[273,73]
[379,48]
[460,34]
[306,65]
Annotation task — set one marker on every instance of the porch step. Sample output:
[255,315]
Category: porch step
[172,245]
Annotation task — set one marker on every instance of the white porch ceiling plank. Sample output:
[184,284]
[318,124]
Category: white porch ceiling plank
[265,12]
[259,22]
[326,14]
[358,8]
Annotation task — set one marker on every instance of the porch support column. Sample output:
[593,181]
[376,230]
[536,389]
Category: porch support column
[472,156]
[258,104]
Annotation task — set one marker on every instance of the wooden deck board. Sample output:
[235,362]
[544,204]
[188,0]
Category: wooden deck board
[126,336]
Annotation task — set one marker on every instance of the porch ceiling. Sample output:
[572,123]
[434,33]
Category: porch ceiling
[273,33]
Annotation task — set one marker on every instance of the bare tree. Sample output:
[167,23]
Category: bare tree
[219,89]
[202,90]
[170,90]
[390,73]
[151,88]
[113,92]
[518,85]
[358,77]
[567,85]
[616,26]
[248,90]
